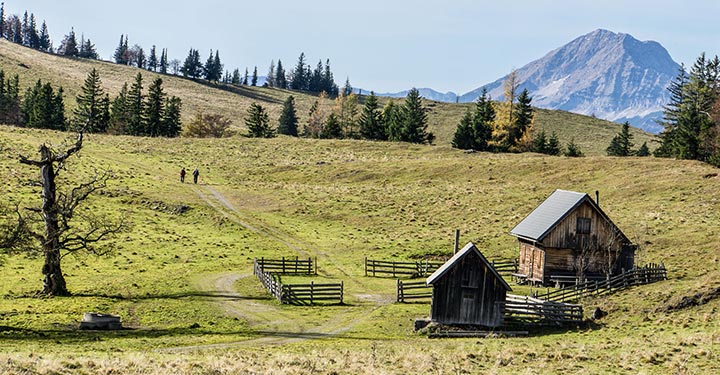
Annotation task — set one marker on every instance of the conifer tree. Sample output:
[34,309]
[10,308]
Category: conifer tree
[328,81]
[271,74]
[45,44]
[152,63]
[57,119]
[135,112]
[553,145]
[192,67]
[299,75]
[347,113]
[347,89]
[643,150]
[257,122]
[371,125]
[2,21]
[164,62]
[217,65]
[414,126]
[254,77]
[621,144]
[15,30]
[121,52]
[573,150]
[89,111]
[393,120]
[540,142]
[119,112]
[288,122]
[482,121]
[280,80]
[68,47]
[316,119]
[171,121]
[523,119]
[332,128]
[154,108]
[236,80]
[464,138]
[245,80]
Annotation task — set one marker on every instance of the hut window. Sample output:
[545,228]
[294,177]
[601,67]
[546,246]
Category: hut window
[469,278]
[583,225]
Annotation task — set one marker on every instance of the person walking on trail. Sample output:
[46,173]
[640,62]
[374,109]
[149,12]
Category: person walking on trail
[196,173]
[182,175]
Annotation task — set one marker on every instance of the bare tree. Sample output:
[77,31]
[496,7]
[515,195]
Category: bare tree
[50,224]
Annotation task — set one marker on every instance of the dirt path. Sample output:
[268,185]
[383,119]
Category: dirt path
[270,321]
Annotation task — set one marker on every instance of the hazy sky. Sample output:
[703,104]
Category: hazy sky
[386,46]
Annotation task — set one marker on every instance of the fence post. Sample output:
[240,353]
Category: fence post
[393,263]
[365,266]
[399,291]
[342,289]
[311,292]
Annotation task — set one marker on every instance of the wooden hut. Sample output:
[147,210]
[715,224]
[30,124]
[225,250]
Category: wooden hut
[568,236]
[468,290]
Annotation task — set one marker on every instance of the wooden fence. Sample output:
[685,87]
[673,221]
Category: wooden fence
[413,290]
[381,268]
[636,276]
[298,294]
[529,309]
[423,268]
[288,266]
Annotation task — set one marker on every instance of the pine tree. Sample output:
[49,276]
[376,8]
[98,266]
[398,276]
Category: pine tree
[464,138]
[553,145]
[414,125]
[482,121]
[523,120]
[393,121]
[245,80]
[288,122]
[328,81]
[236,80]
[121,52]
[164,61]
[217,65]
[257,122]
[280,80]
[171,122]
[45,44]
[152,64]
[332,129]
[15,30]
[347,89]
[40,107]
[671,113]
[371,125]
[643,150]
[154,108]
[254,77]
[120,113]
[621,144]
[209,68]
[87,49]
[540,143]
[68,47]
[192,67]
[316,77]
[88,114]
[299,75]
[271,74]
[57,118]
[135,102]
[573,150]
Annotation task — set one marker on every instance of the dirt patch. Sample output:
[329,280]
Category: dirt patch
[691,301]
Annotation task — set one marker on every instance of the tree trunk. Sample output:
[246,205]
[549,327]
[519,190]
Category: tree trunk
[54,281]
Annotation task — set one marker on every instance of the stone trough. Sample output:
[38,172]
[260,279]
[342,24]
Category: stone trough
[100,321]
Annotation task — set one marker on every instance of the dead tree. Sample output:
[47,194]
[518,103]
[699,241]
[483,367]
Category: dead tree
[58,237]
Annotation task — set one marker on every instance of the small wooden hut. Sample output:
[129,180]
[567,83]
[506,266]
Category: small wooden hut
[568,236]
[468,290]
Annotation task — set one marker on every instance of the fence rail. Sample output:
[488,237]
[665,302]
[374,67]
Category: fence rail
[381,268]
[636,276]
[505,267]
[297,294]
[288,266]
[526,308]
[413,290]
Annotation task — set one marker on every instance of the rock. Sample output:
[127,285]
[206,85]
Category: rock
[421,323]
[598,313]
[100,321]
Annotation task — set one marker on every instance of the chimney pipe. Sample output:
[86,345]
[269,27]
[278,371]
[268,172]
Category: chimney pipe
[597,197]
[457,241]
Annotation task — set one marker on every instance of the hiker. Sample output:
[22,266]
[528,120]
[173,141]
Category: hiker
[182,175]
[196,173]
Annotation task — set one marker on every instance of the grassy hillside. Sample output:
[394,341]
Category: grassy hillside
[183,281]
[592,135]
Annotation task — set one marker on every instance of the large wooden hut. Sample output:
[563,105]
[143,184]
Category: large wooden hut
[468,290]
[569,236]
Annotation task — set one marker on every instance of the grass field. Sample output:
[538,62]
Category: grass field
[183,281]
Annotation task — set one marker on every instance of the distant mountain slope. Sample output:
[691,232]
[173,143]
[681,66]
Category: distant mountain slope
[609,75]
[427,93]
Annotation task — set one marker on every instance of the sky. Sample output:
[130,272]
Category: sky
[380,45]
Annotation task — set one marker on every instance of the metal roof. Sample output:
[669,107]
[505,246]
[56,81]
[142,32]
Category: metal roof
[550,212]
[470,247]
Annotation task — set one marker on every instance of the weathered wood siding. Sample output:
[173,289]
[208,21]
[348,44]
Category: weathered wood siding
[469,293]
[531,262]
[565,236]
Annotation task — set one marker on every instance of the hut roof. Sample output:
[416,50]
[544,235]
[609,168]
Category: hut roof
[551,212]
[470,247]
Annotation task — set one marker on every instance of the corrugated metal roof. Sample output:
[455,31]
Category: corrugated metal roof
[456,258]
[547,214]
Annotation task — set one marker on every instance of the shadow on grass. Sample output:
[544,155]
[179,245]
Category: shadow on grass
[178,295]
[535,329]
[239,90]
[76,335]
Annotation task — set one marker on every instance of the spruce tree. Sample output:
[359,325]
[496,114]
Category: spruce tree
[119,112]
[121,52]
[192,67]
[540,142]
[347,89]
[643,150]
[288,122]
[154,108]
[621,144]
[523,118]
[2,22]
[171,123]
[87,50]
[328,81]
[164,62]
[332,129]
[257,122]
[573,150]
[89,111]
[236,80]
[299,75]
[217,65]
[393,121]
[271,74]
[45,44]
[254,77]
[553,145]
[482,121]
[69,46]
[371,125]
[464,138]
[135,112]
[152,63]
[414,122]
[245,80]
[280,80]
[58,121]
